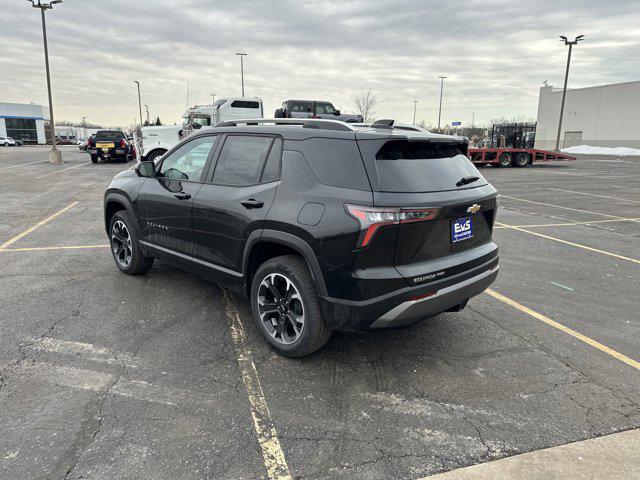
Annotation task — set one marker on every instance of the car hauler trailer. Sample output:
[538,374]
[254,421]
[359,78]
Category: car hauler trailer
[511,145]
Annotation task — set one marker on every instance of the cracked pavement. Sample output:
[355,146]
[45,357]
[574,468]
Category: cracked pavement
[108,376]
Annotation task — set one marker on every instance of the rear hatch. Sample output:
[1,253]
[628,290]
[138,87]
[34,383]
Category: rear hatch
[421,172]
[107,140]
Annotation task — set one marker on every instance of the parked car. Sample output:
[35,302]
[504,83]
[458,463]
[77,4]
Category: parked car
[7,142]
[108,145]
[84,143]
[19,143]
[325,227]
[65,141]
[156,140]
[314,109]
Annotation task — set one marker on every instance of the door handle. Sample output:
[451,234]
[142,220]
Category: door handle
[182,196]
[252,203]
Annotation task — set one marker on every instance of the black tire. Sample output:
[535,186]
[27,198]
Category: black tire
[521,160]
[505,160]
[154,154]
[314,332]
[137,263]
[94,158]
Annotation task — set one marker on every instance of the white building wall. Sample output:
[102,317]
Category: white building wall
[607,115]
[24,110]
[3,128]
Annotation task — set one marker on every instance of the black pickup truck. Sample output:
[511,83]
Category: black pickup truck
[109,144]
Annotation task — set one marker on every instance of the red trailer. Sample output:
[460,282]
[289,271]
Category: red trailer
[513,157]
[511,145]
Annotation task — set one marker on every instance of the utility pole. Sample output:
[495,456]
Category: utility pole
[147,107]
[54,155]
[213,97]
[84,127]
[415,104]
[473,119]
[139,101]
[566,78]
[440,109]
[242,70]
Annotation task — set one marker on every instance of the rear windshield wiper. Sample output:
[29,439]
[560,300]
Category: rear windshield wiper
[466,180]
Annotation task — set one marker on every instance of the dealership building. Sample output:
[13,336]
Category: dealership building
[24,121]
[604,116]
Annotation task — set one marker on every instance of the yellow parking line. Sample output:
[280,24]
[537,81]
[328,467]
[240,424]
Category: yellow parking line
[66,247]
[569,331]
[272,453]
[37,225]
[567,224]
[59,171]
[566,208]
[585,247]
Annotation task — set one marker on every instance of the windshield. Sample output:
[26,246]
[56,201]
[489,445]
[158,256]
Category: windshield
[423,167]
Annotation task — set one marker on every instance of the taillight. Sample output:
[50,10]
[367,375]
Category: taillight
[89,143]
[372,218]
[122,143]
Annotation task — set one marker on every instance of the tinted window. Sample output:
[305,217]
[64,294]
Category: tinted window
[301,106]
[109,134]
[271,171]
[245,104]
[423,167]
[188,161]
[336,162]
[241,159]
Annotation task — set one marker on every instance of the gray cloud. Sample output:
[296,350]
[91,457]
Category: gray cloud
[495,53]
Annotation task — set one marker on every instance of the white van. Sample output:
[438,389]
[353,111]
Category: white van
[158,140]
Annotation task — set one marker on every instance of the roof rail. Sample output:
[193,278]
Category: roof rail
[383,123]
[319,123]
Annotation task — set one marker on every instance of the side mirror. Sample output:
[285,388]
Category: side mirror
[336,112]
[146,169]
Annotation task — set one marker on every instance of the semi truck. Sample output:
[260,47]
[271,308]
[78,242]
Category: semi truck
[157,140]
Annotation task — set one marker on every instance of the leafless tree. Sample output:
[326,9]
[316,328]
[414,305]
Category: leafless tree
[365,104]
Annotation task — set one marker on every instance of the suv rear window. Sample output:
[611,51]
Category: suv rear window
[245,104]
[336,162]
[423,167]
[109,134]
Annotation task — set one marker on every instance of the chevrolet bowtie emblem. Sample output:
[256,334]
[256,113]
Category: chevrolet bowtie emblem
[473,208]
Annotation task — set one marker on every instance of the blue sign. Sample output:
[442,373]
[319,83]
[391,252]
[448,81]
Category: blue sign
[461,229]
[455,124]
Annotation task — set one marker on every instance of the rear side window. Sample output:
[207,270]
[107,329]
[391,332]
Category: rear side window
[336,162]
[245,104]
[301,106]
[241,160]
[271,171]
[423,167]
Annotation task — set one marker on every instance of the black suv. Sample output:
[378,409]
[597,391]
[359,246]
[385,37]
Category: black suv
[109,144]
[323,225]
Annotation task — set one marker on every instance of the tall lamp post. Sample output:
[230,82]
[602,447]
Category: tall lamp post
[566,78]
[440,108]
[54,155]
[139,102]
[147,107]
[415,104]
[242,70]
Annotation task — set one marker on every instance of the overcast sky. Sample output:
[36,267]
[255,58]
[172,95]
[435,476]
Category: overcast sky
[495,53]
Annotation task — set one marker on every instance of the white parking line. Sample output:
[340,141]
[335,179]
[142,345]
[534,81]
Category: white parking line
[86,350]
[22,164]
[593,195]
[64,169]
[568,208]
[626,188]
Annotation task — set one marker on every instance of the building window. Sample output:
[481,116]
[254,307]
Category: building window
[23,129]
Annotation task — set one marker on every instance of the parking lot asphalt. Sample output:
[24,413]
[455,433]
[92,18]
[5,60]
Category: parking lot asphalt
[164,375]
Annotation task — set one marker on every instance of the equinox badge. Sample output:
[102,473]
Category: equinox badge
[473,208]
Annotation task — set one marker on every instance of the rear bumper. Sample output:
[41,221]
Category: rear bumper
[401,308]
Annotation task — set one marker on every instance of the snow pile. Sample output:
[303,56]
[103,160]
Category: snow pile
[589,150]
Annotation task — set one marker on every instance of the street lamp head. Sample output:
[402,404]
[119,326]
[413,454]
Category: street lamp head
[44,6]
[240,53]
[563,37]
[579,38]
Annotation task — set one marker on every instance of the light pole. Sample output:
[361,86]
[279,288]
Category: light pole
[242,70]
[84,127]
[566,78]
[473,119]
[415,104]
[139,102]
[54,155]
[440,109]
[147,107]
[213,97]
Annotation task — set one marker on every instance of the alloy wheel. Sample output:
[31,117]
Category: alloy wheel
[280,308]
[121,244]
